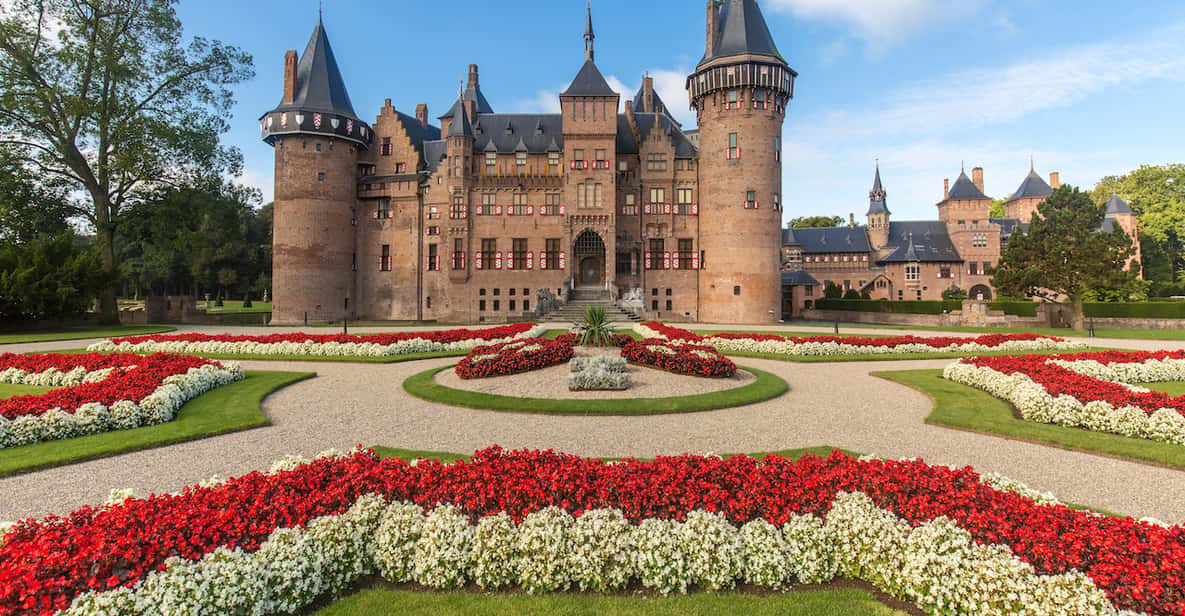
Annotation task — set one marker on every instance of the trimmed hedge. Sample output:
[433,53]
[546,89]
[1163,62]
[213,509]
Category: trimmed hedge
[1137,310]
[1019,308]
[910,307]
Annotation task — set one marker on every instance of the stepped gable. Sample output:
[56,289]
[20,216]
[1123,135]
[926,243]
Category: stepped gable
[920,241]
[682,145]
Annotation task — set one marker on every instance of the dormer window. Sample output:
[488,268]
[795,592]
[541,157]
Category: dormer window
[553,163]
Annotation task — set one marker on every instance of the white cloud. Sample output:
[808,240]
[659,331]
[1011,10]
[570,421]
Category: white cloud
[881,23]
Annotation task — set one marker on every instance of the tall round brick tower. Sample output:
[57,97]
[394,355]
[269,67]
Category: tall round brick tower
[318,139]
[740,91]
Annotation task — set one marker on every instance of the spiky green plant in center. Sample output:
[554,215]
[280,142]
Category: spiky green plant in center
[594,330]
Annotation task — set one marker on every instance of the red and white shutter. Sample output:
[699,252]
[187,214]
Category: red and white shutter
[509,260]
[481,210]
[427,263]
[477,260]
[666,208]
[563,263]
[645,208]
[666,260]
[695,260]
[648,253]
[510,210]
[542,259]
[497,259]
[561,209]
[674,260]
[695,209]
[530,260]
[497,209]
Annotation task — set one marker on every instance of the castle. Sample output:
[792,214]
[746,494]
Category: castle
[467,221]
[918,260]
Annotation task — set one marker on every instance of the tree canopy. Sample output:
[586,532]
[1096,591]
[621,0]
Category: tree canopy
[48,277]
[1157,194]
[1065,254]
[808,222]
[103,95]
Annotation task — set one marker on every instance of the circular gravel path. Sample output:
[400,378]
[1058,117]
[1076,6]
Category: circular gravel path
[837,404]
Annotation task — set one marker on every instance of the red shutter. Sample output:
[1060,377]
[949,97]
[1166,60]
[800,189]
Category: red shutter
[666,260]
[477,260]
[530,210]
[481,210]
[497,209]
[427,263]
[497,259]
[586,164]
[509,259]
[666,208]
[647,259]
[465,211]
[561,209]
[542,259]
[530,260]
[510,210]
[695,260]
[695,209]
[645,208]
[675,260]
[563,264]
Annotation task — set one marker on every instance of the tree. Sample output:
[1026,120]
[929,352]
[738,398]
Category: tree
[48,277]
[28,208]
[102,94]
[1064,254]
[852,294]
[809,222]
[1157,194]
[997,209]
[954,293]
[832,290]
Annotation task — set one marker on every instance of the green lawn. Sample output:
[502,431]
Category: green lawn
[446,457]
[967,408]
[766,386]
[817,359]
[234,306]
[229,408]
[1099,332]
[83,333]
[7,390]
[824,602]
[1172,388]
[781,332]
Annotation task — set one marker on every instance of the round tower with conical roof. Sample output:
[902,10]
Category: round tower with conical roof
[740,91]
[317,139]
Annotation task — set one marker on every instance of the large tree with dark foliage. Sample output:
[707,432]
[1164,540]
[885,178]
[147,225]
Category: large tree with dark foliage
[48,277]
[1065,254]
[104,95]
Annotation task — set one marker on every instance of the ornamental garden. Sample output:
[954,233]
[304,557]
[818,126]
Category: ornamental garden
[322,535]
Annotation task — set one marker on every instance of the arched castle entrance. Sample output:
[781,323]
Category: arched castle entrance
[980,292]
[589,253]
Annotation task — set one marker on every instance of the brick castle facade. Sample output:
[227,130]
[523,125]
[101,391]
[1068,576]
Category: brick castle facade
[469,220]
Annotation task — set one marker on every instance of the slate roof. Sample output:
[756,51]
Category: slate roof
[921,240]
[659,105]
[1008,226]
[1033,186]
[505,132]
[471,94]
[416,131]
[461,127]
[964,188]
[625,136]
[831,239]
[589,82]
[788,237]
[742,31]
[1109,225]
[798,278]
[876,196]
[434,153]
[683,146]
[1115,205]
[319,84]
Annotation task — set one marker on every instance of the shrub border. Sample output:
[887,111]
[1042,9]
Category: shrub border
[766,387]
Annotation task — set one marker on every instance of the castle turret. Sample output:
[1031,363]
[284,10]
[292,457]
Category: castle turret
[1032,191]
[317,139]
[1119,214]
[740,91]
[878,213]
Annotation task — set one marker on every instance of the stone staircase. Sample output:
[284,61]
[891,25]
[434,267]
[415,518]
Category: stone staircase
[573,311]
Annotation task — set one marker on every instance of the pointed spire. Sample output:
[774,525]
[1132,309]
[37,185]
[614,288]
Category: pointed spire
[742,30]
[1115,205]
[460,126]
[319,83]
[589,55]
[876,196]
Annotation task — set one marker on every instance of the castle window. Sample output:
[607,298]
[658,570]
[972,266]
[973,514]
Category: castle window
[458,211]
[654,256]
[578,161]
[986,266]
[512,303]
[385,259]
[751,200]
[778,149]
[458,162]
[588,195]
[497,305]
[320,176]
[458,253]
[384,209]
[551,255]
[760,99]
[433,258]
[658,196]
[489,250]
[354,262]
[690,165]
[553,163]
[686,255]
[913,272]
[972,268]
[624,264]
[491,163]
[519,247]
[433,212]
[623,166]
[520,163]
[919,294]
[734,98]
[433,230]
[944,272]
[318,147]
[734,150]
[487,204]
[979,240]
[656,162]
[520,205]
[777,203]
[736,290]
[602,160]
[551,206]
[481,305]
[631,206]
[386,148]
[683,201]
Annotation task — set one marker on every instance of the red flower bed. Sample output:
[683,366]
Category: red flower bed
[442,336]
[135,378]
[688,359]
[938,342]
[44,564]
[511,358]
[1060,380]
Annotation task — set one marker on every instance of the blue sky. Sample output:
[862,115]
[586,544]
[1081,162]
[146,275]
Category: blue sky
[1087,88]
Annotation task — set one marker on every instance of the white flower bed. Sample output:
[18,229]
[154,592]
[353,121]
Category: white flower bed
[91,418]
[598,373]
[935,565]
[1035,403]
[789,347]
[308,347]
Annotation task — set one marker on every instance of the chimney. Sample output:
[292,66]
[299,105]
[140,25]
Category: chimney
[713,26]
[946,189]
[851,220]
[977,178]
[422,114]
[648,94]
[472,76]
[1055,180]
[289,76]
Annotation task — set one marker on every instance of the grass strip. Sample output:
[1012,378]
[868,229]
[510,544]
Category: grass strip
[8,390]
[84,333]
[1061,332]
[821,359]
[815,602]
[229,408]
[966,408]
[765,387]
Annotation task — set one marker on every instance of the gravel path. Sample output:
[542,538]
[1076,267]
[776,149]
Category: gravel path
[838,404]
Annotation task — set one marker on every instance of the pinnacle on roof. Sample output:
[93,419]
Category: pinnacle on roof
[589,81]
[1115,205]
[876,196]
[1033,186]
[589,36]
[460,127]
[964,188]
[742,31]
[319,84]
